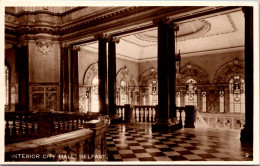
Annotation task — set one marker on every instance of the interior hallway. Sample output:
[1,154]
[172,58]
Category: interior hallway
[136,142]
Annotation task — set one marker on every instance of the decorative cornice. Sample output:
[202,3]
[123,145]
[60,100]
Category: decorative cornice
[102,36]
[72,29]
[76,48]
[231,22]
[163,20]
[114,39]
[139,44]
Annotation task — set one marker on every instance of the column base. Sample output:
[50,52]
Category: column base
[165,126]
[114,119]
[174,121]
[246,135]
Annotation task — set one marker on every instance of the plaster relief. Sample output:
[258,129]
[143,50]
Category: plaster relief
[44,18]
[194,72]
[44,47]
[229,70]
[11,19]
[51,101]
[38,101]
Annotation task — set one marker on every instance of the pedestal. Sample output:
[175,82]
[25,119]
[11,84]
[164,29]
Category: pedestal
[246,135]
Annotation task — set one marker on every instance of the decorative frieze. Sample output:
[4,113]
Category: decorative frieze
[229,70]
[192,71]
[11,19]
[224,121]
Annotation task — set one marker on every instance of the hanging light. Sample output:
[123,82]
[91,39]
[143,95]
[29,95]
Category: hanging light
[177,55]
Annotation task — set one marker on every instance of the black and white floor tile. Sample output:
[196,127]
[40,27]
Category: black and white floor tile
[136,142]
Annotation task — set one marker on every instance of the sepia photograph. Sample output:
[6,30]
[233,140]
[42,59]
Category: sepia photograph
[129,83]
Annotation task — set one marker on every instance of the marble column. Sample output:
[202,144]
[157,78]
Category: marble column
[64,79]
[112,76]
[74,79]
[172,70]
[22,68]
[102,74]
[163,122]
[247,131]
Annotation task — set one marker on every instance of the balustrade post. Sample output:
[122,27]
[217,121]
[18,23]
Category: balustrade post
[128,113]
[14,127]
[7,129]
[44,124]
[190,117]
[99,128]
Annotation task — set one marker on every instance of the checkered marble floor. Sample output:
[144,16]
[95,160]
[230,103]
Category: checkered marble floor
[136,142]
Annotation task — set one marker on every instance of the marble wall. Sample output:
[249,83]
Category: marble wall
[44,60]
[224,121]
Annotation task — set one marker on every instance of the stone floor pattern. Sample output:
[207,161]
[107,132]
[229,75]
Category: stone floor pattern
[136,142]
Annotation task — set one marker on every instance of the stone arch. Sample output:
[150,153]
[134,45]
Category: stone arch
[192,72]
[123,74]
[148,76]
[229,70]
[89,74]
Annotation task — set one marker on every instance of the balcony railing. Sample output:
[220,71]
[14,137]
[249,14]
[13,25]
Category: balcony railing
[149,113]
[86,144]
[137,113]
[25,125]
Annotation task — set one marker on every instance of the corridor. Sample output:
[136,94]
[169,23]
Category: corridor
[136,142]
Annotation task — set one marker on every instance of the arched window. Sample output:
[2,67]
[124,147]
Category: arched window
[94,95]
[237,95]
[123,93]
[191,93]
[153,94]
[7,86]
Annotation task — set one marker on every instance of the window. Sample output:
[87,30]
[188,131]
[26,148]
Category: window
[7,88]
[191,90]
[87,101]
[221,101]
[153,93]
[94,95]
[204,100]
[237,95]
[178,99]
[123,93]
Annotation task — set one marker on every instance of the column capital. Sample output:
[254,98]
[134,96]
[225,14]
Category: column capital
[114,39]
[163,20]
[65,45]
[22,43]
[102,36]
[76,48]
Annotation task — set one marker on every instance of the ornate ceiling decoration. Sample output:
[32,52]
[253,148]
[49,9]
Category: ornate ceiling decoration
[187,31]
[71,24]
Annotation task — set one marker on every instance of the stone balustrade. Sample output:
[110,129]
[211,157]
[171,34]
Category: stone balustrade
[86,144]
[148,113]
[26,125]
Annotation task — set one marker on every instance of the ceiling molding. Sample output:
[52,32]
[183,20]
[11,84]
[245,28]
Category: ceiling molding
[200,53]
